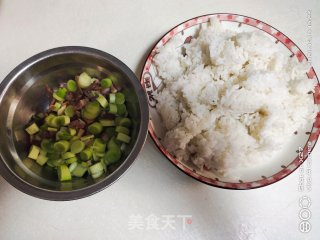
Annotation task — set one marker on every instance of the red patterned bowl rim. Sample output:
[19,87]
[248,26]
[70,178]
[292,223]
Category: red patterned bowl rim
[313,135]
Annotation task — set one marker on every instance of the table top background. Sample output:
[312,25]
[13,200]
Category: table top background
[152,187]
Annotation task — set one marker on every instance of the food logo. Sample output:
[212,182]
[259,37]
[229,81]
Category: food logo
[150,89]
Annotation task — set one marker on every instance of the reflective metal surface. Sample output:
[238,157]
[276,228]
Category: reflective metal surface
[22,93]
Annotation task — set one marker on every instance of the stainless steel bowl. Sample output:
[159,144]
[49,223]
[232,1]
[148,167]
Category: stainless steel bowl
[22,93]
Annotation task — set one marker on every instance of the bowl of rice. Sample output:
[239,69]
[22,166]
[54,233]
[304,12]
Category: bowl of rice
[233,102]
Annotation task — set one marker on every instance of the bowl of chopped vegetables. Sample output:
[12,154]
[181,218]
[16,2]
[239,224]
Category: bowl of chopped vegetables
[73,120]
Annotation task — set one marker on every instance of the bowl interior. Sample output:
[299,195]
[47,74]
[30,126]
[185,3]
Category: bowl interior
[26,95]
[281,165]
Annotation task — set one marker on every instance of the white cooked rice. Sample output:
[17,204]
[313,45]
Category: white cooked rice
[231,100]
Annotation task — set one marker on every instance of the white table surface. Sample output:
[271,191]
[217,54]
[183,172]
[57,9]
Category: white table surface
[152,186]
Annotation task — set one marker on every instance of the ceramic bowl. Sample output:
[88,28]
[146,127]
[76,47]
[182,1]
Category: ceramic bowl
[289,160]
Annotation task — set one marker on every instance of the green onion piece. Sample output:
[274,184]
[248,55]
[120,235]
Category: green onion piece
[61,110]
[86,115]
[102,100]
[110,131]
[71,160]
[112,98]
[112,143]
[56,106]
[60,94]
[73,166]
[32,129]
[96,168]
[66,120]
[79,171]
[100,154]
[48,119]
[74,138]
[125,122]
[123,147]
[80,133]
[117,120]
[112,108]
[86,154]
[68,155]
[51,129]
[41,160]
[121,109]
[104,165]
[61,146]
[113,78]
[47,145]
[95,128]
[121,129]
[106,83]
[85,164]
[40,115]
[61,121]
[107,122]
[57,121]
[43,152]
[63,135]
[34,152]
[64,129]
[55,162]
[123,137]
[69,111]
[53,122]
[77,146]
[53,155]
[97,175]
[120,98]
[50,163]
[72,131]
[97,155]
[93,107]
[54,95]
[112,156]
[87,137]
[44,127]
[64,173]
[58,162]
[72,86]
[84,80]
[91,110]
[99,146]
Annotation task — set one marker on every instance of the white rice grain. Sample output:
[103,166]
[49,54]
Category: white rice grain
[230,99]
